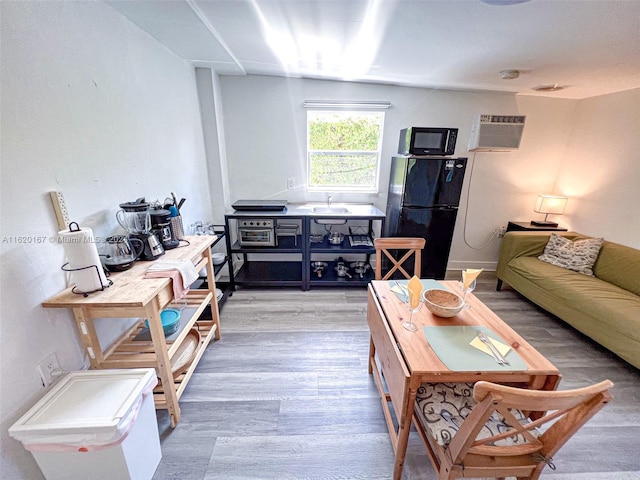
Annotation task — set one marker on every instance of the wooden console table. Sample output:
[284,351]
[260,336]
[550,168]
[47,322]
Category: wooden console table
[133,296]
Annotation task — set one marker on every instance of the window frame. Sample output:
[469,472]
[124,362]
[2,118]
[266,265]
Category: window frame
[376,153]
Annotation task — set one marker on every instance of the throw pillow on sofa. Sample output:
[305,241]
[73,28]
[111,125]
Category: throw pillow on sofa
[578,256]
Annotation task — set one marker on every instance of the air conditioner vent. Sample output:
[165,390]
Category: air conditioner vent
[496,133]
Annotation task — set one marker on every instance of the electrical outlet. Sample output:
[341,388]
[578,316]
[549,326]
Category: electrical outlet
[291,183]
[60,207]
[501,231]
[49,369]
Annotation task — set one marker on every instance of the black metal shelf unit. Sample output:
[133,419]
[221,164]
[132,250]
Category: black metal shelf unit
[263,273]
[226,287]
[295,270]
[330,278]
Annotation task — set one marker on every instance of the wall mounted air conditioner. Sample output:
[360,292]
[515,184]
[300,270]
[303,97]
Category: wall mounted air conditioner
[496,133]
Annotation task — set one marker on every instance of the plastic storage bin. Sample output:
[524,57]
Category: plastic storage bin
[98,425]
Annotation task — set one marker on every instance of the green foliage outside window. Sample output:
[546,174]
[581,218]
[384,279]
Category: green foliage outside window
[344,148]
[343,170]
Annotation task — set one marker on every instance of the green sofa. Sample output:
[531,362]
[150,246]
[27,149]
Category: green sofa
[605,306]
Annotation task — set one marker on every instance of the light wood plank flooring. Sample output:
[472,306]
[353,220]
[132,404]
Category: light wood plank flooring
[285,394]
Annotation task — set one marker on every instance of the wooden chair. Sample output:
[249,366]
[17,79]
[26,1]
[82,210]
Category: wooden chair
[412,246]
[490,430]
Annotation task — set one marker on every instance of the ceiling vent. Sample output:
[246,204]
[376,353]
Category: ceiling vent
[496,133]
[548,88]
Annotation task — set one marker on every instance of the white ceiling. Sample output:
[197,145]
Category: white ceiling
[591,47]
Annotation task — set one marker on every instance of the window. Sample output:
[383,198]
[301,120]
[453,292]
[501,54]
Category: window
[343,150]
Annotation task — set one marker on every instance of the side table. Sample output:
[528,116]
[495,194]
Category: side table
[527,226]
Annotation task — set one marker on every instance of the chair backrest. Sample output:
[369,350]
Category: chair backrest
[502,434]
[405,246]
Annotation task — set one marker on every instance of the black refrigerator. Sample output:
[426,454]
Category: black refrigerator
[423,198]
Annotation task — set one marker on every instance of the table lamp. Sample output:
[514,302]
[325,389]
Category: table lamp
[549,204]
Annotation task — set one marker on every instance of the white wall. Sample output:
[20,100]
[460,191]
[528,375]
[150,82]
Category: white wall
[208,86]
[601,170]
[97,109]
[265,132]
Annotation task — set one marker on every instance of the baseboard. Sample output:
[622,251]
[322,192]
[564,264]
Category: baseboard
[461,265]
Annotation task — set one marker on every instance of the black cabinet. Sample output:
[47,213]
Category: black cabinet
[346,253]
[287,262]
[279,263]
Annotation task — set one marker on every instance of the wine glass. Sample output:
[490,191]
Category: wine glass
[466,291]
[410,325]
[197,228]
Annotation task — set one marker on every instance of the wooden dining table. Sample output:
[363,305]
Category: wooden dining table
[400,360]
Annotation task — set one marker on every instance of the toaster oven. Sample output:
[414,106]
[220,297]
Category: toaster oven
[256,232]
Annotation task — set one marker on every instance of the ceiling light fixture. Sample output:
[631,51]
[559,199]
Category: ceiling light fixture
[510,74]
[548,88]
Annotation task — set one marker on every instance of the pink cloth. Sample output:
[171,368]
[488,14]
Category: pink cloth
[179,291]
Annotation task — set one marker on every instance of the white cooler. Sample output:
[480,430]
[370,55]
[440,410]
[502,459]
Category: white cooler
[95,425]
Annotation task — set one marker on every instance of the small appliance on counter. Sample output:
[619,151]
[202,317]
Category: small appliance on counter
[135,218]
[152,246]
[256,232]
[121,252]
[161,228]
[439,141]
[260,205]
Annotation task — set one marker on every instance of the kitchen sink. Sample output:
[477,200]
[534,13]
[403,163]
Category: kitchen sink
[330,211]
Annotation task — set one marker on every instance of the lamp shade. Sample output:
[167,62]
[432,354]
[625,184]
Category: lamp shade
[550,204]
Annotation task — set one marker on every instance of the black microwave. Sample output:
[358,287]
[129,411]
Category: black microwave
[427,141]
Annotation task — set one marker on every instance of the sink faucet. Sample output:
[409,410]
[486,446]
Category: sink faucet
[329,201]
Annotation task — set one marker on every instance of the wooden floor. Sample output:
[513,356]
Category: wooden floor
[285,394]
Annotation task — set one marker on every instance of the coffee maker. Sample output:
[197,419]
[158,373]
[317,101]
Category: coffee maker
[161,227]
[135,218]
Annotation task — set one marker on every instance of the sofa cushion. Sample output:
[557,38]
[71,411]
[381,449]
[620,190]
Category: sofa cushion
[620,265]
[614,307]
[579,256]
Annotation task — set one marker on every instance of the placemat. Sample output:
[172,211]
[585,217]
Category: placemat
[451,345]
[427,284]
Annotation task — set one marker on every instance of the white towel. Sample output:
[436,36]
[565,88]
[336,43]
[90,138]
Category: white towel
[185,267]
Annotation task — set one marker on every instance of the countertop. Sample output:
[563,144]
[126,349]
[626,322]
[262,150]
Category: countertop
[130,288]
[356,211]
